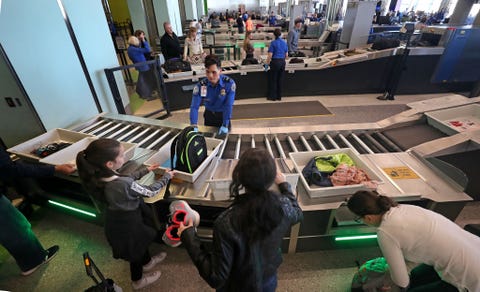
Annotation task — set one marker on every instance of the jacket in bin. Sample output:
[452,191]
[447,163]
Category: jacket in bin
[217,98]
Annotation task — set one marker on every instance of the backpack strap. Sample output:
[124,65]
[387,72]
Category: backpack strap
[172,154]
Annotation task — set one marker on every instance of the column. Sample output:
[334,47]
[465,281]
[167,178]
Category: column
[460,13]
[191,9]
[168,10]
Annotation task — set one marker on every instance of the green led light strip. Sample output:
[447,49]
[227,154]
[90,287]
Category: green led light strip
[72,208]
[356,237]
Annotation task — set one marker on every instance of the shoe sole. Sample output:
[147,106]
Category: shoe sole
[184,206]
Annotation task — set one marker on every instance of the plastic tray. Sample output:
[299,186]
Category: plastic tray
[221,187]
[162,157]
[69,154]
[455,120]
[25,149]
[300,159]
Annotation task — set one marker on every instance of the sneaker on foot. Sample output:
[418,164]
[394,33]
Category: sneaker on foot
[146,280]
[51,253]
[154,261]
[185,213]
[170,237]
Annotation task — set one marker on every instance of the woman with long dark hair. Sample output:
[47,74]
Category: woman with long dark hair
[125,212]
[449,256]
[247,236]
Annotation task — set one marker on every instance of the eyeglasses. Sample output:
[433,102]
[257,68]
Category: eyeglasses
[358,219]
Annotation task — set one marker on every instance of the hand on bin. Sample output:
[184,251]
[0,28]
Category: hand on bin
[223,130]
[195,129]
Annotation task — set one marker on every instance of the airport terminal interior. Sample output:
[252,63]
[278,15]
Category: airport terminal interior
[392,84]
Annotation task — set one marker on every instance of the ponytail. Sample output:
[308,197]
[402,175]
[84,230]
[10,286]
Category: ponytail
[370,203]
[91,165]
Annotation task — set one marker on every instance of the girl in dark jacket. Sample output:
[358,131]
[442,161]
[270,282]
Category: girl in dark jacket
[247,236]
[125,213]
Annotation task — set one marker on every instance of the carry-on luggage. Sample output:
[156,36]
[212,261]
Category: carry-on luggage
[101,284]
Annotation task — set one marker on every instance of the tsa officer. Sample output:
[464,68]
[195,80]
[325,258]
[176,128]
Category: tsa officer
[217,93]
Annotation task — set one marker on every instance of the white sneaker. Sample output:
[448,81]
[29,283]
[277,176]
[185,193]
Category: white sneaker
[154,261]
[146,280]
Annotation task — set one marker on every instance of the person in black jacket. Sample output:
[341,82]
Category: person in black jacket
[247,236]
[169,43]
[16,234]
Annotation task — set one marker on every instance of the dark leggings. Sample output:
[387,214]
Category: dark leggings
[425,278]
[136,268]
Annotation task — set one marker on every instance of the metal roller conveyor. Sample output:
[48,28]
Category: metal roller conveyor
[305,143]
[112,129]
[392,147]
[140,143]
[330,139]
[91,127]
[100,129]
[138,135]
[156,142]
[129,133]
[292,144]
[237,147]
[349,145]
[375,143]
[117,133]
[362,144]
[252,142]
[279,147]
[319,143]
[268,146]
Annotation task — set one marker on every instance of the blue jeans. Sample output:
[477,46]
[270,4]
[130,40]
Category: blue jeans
[17,237]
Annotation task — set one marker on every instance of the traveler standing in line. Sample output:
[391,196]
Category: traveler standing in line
[240,24]
[247,237]
[292,38]
[193,49]
[449,256]
[169,43]
[126,214]
[249,24]
[140,34]
[16,233]
[146,82]
[277,53]
[272,20]
[217,93]
[247,45]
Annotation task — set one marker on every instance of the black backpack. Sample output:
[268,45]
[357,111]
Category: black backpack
[190,148]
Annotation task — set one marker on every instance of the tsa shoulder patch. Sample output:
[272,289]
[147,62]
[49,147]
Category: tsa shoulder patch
[195,90]
[233,87]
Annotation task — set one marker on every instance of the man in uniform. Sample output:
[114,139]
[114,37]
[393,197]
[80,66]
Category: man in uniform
[217,92]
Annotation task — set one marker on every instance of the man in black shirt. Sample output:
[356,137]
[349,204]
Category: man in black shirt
[169,43]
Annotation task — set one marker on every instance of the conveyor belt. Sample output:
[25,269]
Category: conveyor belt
[154,137]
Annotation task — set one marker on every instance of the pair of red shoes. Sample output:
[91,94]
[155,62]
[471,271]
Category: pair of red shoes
[180,212]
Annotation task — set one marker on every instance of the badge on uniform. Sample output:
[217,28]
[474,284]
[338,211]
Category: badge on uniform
[195,90]
[203,91]
[223,92]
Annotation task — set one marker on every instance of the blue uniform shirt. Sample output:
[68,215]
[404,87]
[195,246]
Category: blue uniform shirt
[218,98]
[278,48]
